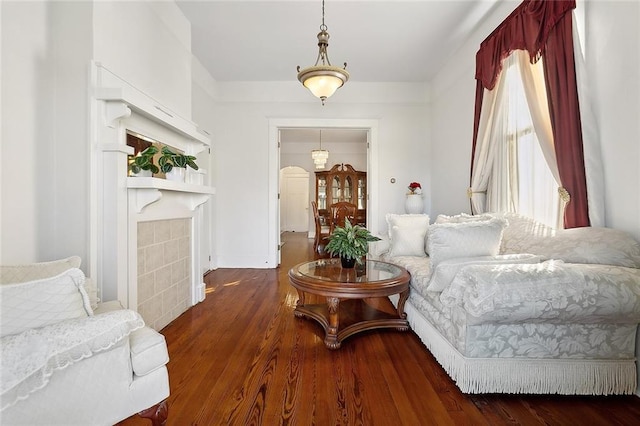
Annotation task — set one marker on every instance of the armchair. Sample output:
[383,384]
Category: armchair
[69,360]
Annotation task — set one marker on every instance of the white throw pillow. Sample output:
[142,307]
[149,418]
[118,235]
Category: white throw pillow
[38,303]
[464,239]
[407,234]
[446,270]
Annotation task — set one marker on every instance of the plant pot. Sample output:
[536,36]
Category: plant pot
[143,173]
[176,174]
[347,263]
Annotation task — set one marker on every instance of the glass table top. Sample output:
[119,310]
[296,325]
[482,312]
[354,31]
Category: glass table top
[371,271]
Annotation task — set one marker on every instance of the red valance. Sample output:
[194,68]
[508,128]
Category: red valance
[527,28]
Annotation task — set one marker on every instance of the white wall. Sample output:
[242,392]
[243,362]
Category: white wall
[46,52]
[612,47]
[243,151]
[148,44]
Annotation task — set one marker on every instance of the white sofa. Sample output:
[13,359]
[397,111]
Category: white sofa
[68,360]
[507,305]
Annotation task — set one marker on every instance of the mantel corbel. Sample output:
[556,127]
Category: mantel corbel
[114,112]
[145,196]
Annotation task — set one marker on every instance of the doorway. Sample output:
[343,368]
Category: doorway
[294,199]
[275,127]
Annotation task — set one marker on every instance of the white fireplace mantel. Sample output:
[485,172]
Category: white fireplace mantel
[121,202]
[148,190]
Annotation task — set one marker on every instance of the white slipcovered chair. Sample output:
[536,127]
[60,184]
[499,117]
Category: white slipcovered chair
[67,359]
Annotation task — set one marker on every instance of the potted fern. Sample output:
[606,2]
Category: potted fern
[174,164]
[350,242]
[143,161]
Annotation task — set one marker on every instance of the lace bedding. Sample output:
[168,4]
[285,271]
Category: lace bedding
[542,310]
[549,290]
[28,359]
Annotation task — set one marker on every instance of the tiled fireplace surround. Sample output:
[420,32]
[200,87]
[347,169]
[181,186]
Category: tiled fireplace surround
[164,273]
[146,234]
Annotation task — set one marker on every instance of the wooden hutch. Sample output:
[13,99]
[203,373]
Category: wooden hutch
[342,183]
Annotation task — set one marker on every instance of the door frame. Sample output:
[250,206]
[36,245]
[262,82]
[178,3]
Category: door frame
[275,125]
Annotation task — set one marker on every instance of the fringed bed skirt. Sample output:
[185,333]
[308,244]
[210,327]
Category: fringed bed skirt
[525,375]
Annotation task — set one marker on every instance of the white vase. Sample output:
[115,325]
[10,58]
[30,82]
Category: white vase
[414,204]
[176,174]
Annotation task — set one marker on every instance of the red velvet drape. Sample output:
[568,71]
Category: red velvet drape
[544,29]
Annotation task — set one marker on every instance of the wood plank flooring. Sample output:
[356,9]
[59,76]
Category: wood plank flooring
[242,358]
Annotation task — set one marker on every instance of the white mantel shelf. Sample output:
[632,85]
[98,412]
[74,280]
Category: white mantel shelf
[146,106]
[149,190]
[167,185]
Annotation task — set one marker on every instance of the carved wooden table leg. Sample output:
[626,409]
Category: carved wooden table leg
[331,337]
[401,313]
[157,414]
[300,302]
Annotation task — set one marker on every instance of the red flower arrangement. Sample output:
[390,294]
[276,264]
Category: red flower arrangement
[415,188]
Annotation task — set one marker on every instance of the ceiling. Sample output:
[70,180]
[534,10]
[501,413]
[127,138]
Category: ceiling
[381,41]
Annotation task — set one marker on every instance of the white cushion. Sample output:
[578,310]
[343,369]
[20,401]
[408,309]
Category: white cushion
[407,234]
[591,245]
[523,234]
[38,303]
[148,351]
[11,274]
[446,270]
[464,239]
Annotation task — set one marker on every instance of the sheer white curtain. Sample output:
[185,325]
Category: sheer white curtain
[550,210]
[515,167]
[490,130]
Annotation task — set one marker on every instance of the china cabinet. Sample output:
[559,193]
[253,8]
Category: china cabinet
[342,183]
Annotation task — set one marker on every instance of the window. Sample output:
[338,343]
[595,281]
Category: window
[531,188]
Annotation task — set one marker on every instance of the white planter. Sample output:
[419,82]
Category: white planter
[176,174]
[414,204]
[143,173]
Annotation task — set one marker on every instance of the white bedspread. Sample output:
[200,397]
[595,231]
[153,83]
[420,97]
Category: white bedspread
[551,289]
[28,359]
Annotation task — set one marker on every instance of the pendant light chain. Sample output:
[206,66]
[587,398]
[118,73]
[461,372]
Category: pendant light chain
[323,27]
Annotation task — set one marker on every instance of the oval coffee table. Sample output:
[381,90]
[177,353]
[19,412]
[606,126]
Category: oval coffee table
[346,311]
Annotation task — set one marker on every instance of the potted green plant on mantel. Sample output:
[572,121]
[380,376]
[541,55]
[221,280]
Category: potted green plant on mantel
[143,162]
[175,164]
[350,242]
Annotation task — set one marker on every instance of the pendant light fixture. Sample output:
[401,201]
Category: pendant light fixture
[320,156]
[323,79]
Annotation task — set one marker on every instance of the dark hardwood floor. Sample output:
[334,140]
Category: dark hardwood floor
[242,358]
